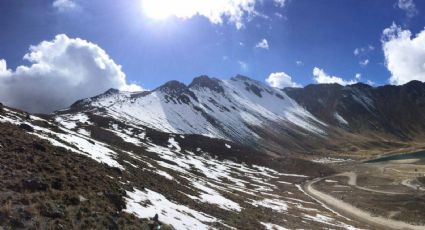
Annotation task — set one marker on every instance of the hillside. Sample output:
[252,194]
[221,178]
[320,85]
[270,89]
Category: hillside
[94,172]
[217,153]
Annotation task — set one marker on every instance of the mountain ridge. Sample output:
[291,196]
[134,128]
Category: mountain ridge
[235,109]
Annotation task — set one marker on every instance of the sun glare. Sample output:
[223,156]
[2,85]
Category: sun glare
[163,9]
[158,9]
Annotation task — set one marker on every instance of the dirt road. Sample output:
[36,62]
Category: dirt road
[355,212]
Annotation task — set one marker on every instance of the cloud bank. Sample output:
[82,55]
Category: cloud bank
[321,77]
[62,71]
[404,54]
[281,80]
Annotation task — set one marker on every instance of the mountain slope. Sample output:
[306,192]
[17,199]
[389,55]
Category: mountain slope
[111,174]
[239,109]
[386,114]
[317,119]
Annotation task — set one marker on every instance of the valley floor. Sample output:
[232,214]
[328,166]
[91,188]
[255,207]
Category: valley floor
[385,195]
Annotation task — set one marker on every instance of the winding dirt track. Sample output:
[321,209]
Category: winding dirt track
[355,212]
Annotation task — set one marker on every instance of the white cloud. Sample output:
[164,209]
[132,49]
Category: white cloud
[278,15]
[363,50]
[234,11]
[408,6]
[280,3]
[62,71]
[321,77]
[358,76]
[263,44]
[281,80]
[299,63]
[64,5]
[3,68]
[371,83]
[364,63]
[243,65]
[404,54]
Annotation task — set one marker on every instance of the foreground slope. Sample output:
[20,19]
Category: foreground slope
[89,171]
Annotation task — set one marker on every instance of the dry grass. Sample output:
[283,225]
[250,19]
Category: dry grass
[7,208]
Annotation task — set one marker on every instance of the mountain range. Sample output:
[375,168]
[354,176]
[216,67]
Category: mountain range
[219,154]
[333,118]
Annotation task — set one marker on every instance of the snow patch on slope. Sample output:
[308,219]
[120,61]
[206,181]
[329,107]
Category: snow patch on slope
[145,204]
[340,119]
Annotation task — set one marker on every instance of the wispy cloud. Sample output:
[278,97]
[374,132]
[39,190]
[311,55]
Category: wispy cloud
[280,3]
[279,15]
[65,5]
[364,62]
[263,44]
[243,65]
[363,50]
[409,7]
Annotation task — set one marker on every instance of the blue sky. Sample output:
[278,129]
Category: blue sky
[316,33]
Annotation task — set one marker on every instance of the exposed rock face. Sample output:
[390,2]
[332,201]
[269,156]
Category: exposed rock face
[207,82]
[397,111]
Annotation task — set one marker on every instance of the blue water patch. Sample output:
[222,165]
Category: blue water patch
[404,156]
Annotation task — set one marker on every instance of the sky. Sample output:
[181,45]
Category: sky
[53,52]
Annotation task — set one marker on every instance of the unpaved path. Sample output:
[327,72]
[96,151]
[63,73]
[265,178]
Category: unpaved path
[355,212]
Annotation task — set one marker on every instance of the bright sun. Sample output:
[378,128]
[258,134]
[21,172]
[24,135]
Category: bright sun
[155,9]
[162,9]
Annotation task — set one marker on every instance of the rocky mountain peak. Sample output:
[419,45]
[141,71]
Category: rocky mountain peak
[242,78]
[207,82]
[111,91]
[173,87]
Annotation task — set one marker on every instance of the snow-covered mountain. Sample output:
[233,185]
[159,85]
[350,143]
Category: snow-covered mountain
[314,119]
[195,154]
[239,109]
